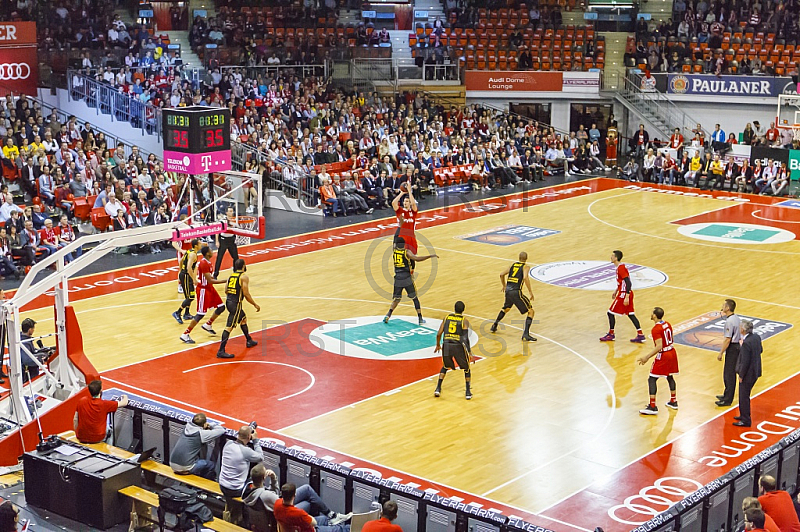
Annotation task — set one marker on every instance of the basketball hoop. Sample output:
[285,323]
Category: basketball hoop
[248,223]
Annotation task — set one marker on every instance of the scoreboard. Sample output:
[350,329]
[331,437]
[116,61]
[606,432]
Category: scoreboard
[197,140]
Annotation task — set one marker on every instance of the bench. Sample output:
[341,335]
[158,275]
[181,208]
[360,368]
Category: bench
[151,466]
[144,501]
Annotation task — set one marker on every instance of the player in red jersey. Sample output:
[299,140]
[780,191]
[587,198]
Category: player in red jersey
[406,219]
[207,296]
[665,364]
[622,301]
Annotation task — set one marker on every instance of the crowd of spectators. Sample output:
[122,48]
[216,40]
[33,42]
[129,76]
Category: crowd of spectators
[721,37]
[709,161]
[51,163]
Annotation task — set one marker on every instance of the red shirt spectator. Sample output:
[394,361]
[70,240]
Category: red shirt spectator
[778,505]
[292,518]
[384,524]
[773,134]
[90,414]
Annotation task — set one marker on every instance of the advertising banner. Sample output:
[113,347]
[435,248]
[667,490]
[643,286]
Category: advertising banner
[511,81]
[19,71]
[19,63]
[711,85]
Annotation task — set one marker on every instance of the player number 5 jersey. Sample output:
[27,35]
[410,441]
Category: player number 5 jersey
[453,328]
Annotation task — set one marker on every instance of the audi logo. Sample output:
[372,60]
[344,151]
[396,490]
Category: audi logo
[14,71]
[633,507]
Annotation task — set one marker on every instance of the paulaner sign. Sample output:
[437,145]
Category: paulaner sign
[710,85]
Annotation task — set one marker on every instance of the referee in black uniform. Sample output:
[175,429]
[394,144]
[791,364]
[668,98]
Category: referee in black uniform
[226,242]
[455,328]
[730,351]
[517,276]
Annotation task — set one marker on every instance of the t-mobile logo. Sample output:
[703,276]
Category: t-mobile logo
[205,160]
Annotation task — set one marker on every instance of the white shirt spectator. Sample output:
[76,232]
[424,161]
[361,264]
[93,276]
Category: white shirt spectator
[113,206]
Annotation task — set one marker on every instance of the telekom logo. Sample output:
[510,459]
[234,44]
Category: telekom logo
[205,160]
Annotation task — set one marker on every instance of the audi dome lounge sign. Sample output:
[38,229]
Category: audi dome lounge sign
[19,64]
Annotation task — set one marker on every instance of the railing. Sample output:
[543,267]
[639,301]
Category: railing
[304,190]
[257,72]
[63,117]
[656,104]
[109,100]
[395,70]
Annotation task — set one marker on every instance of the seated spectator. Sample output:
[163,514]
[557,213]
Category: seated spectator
[751,503]
[329,198]
[7,266]
[7,208]
[185,459]
[692,176]
[669,170]
[744,181]
[50,239]
[777,504]
[781,180]
[113,206]
[90,420]
[754,520]
[384,524]
[767,176]
[631,170]
[30,238]
[67,235]
[716,172]
[293,518]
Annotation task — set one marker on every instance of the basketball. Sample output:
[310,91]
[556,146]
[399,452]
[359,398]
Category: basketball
[404,186]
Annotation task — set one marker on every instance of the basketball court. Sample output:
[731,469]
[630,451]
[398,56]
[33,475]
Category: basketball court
[553,429]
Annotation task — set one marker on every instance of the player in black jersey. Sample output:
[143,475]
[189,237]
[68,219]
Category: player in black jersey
[455,328]
[186,280]
[237,290]
[403,279]
[517,276]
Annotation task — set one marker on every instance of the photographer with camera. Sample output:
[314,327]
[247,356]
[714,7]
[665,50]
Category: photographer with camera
[237,458]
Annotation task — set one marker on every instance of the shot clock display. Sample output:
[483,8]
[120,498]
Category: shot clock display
[197,140]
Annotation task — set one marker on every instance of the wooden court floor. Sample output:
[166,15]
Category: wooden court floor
[547,418]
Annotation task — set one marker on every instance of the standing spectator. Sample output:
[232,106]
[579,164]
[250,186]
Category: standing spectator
[749,370]
[760,133]
[748,135]
[90,414]
[676,142]
[777,503]
[185,459]
[773,135]
[237,459]
[730,351]
[718,139]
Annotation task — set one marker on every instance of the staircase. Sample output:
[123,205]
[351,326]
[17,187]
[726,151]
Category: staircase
[659,10]
[190,59]
[434,8]
[654,108]
[615,59]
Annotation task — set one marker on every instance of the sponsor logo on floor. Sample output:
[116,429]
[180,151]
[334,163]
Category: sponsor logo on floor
[595,275]
[737,233]
[793,203]
[706,331]
[509,235]
[403,338]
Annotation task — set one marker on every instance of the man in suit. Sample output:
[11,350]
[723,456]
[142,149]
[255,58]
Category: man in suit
[748,367]
[372,189]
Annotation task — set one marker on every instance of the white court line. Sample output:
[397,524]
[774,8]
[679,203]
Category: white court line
[313,380]
[753,214]
[617,470]
[518,477]
[709,211]
[504,259]
[174,352]
[589,210]
[193,407]
[724,296]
